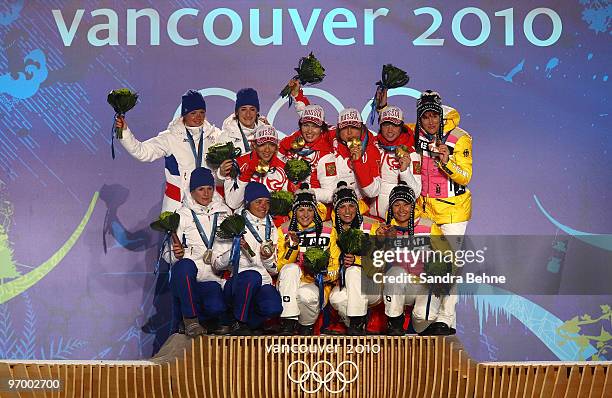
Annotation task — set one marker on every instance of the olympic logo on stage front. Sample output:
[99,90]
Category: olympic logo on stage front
[320,378]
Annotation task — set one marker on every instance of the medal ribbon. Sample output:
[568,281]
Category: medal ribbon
[306,231]
[247,146]
[208,244]
[235,255]
[388,148]
[254,231]
[197,155]
[319,283]
[305,152]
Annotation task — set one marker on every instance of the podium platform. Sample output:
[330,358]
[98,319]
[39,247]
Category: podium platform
[320,366]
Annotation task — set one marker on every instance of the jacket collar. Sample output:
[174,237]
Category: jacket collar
[215,206]
[176,126]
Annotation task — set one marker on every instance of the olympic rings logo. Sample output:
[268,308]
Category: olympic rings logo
[326,380]
[308,91]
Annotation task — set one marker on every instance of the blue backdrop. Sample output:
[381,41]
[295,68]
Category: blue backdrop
[76,253]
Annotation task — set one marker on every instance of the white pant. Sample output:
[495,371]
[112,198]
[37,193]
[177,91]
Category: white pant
[352,300]
[397,295]
[300,300]
[308,302]
[455,232]
[447,308]
[289,280]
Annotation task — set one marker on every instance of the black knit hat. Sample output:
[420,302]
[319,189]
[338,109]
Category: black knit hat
[428,101]
[402,192]
[304,197]
[342,194]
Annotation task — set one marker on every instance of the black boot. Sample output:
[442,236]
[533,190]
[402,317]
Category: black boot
[258,332]
[193,327]
[242,330]
[395,326]
[224,330]
[271,329]
[330,332]
[436,329]
[212,326]
[305,330]
[357,325]
[288,327]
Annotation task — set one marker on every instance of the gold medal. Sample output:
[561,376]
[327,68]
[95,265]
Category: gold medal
[353,143]
[298,143]
[262,167]
[401,151]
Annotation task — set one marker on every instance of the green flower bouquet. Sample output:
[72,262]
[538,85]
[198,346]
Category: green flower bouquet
[297,170]
[316,260]
[391,77]
[219,153]
[280,203]
[122,100]
[167,223]
[354,242]
[309,71]
[437,268]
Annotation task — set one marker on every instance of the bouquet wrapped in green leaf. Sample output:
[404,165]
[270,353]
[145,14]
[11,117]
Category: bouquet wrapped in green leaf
[392,77]
[297,170]
[315,264]
[233,227]
[309,71]
[316,260]
[122,100]
[219,153]
[280,203]
[354,242]
[167,222]
[438,268]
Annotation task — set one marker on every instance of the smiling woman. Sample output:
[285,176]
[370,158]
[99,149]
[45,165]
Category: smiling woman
[108,26]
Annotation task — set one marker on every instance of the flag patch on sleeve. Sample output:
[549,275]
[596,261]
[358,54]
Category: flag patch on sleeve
[330,169]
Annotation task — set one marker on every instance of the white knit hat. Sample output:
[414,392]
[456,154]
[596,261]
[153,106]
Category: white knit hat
[313,114]
[392,114]
[349,117]
[265,133]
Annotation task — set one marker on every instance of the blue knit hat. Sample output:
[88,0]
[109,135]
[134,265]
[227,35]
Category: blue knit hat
[247,96]
[201,177]
[255,190]
[191,101]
